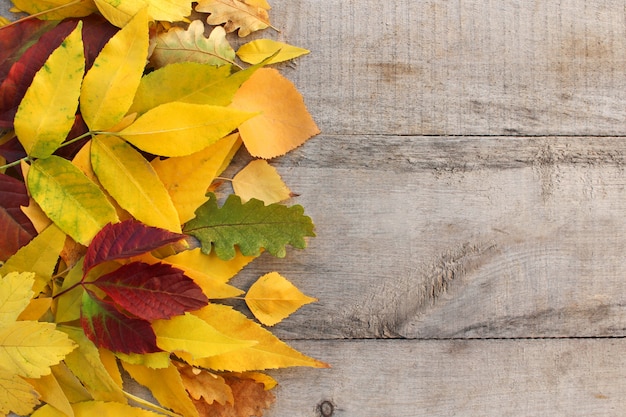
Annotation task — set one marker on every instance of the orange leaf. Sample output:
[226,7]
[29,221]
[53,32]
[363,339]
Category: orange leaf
[250,399]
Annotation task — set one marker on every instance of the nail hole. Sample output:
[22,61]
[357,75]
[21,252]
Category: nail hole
[326,409]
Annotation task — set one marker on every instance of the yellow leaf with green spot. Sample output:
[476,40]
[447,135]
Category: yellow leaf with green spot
[58,9]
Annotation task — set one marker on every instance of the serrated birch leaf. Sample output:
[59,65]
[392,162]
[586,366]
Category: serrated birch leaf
[16,395]
[166,386]
[52,393]
[260,49]
[57,9]
[46,113]
[190,45]
[273,298]
[251,227]
[109,86]
[269,353]
[29,348]
[73,202]
[15,294]
[179,129]
[260,180]
[235,14]
[211,265]
[97,408]
[131,181]
[187,178]
[15,226]
[190,337]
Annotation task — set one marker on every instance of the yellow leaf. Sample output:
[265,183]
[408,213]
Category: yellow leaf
[191,337]
[260,180]
[258,3]
[16,395]
[157,360]
[15,294]
[97,408]
[166,386]
[36,308]
[69,198]
[72,388]
[210,264]
[52,393]
[260,49]
[133,183]
[205,385]
[58,9]
[269,353]
[267,381]
[284,122]
[29,348]
[3,22]
[272,298]
[47,111]
[109,361]
[120,12]
[187,178]
[36,215]
[110,84]
[235,14]
[179,129]
[68,304]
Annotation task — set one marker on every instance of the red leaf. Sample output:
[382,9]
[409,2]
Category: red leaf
[15,228]
[107,327]
[12,150]
[152,292]
[124,240]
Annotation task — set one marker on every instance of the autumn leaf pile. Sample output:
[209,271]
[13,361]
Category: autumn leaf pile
[117,118]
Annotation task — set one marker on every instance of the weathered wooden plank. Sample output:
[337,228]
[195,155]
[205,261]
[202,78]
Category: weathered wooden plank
[454,237]
[503,67]
[457,378]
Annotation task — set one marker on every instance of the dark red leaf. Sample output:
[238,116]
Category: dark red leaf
[15,228]
[106,327]
[96,33]
[124,240]
[152,292]
[78,128]
[12,150]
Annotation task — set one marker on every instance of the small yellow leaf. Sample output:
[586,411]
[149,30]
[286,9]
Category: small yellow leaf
[15,294]
[260,180]
[47,111]
[236,14]
[97,408]
[179,129]
[273,298]
[210,265]
[52,393]
[110,84]
[187,178]
[260,49]
[16,395]
[59,9]
[284,122]
[133,183]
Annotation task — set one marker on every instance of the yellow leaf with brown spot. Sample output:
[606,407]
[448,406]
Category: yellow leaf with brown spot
[235,14]
[16,395]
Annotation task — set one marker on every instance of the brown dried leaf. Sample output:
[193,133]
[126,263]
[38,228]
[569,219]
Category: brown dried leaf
[205,386]
[250,399]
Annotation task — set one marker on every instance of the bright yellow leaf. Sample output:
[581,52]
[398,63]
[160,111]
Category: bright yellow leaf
[166,386]
[36,215]
[16,395]
[29,348]
[68,304]
[272,298]
[191,337]
[210,264]
[258,3]
[187,178]
[110,84]
[73,202]
[133,183]
[15,294]
[72,388]
[52,393]
[109,360]
[120,12]
[236,14]
[56,9]
[179,129]
[260,49]
[97,408]
[269,353]
[47,111]
[157,360]
[36,309]
[260,180]
[284,122]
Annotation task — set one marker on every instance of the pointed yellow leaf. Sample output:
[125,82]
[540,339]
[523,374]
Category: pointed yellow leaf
[36,309]
[110,84]
[210,265]
[260,49]
[190,336]
[187,178]
[272,298]
[16,395]
[179,129]
[52,393]
[57,9]
[213,288]
[284,122]
[236,14]
[260,180]
[47,111]
[68,303]
[132,182]
[120,12]
[166,386]
[15,294]
[109,360]
[157,360]
[71,386]
[269,353]
[69,198]
[97,408]
[29,348]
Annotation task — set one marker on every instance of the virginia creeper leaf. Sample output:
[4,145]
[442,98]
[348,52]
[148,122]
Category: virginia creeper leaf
[16,395]
[58,9]
[15,294]
[47,111]
[106,327]
[284,122]
[69,198]
[97,408]
[151,292]
[125,240]
[272,298]
[251,226]
[260,180]
[180,45]
[15,226]
[109,86]
[235,14]
[179,129]
[260,49]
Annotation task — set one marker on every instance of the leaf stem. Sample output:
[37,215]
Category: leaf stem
[68,289]
[14,163]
